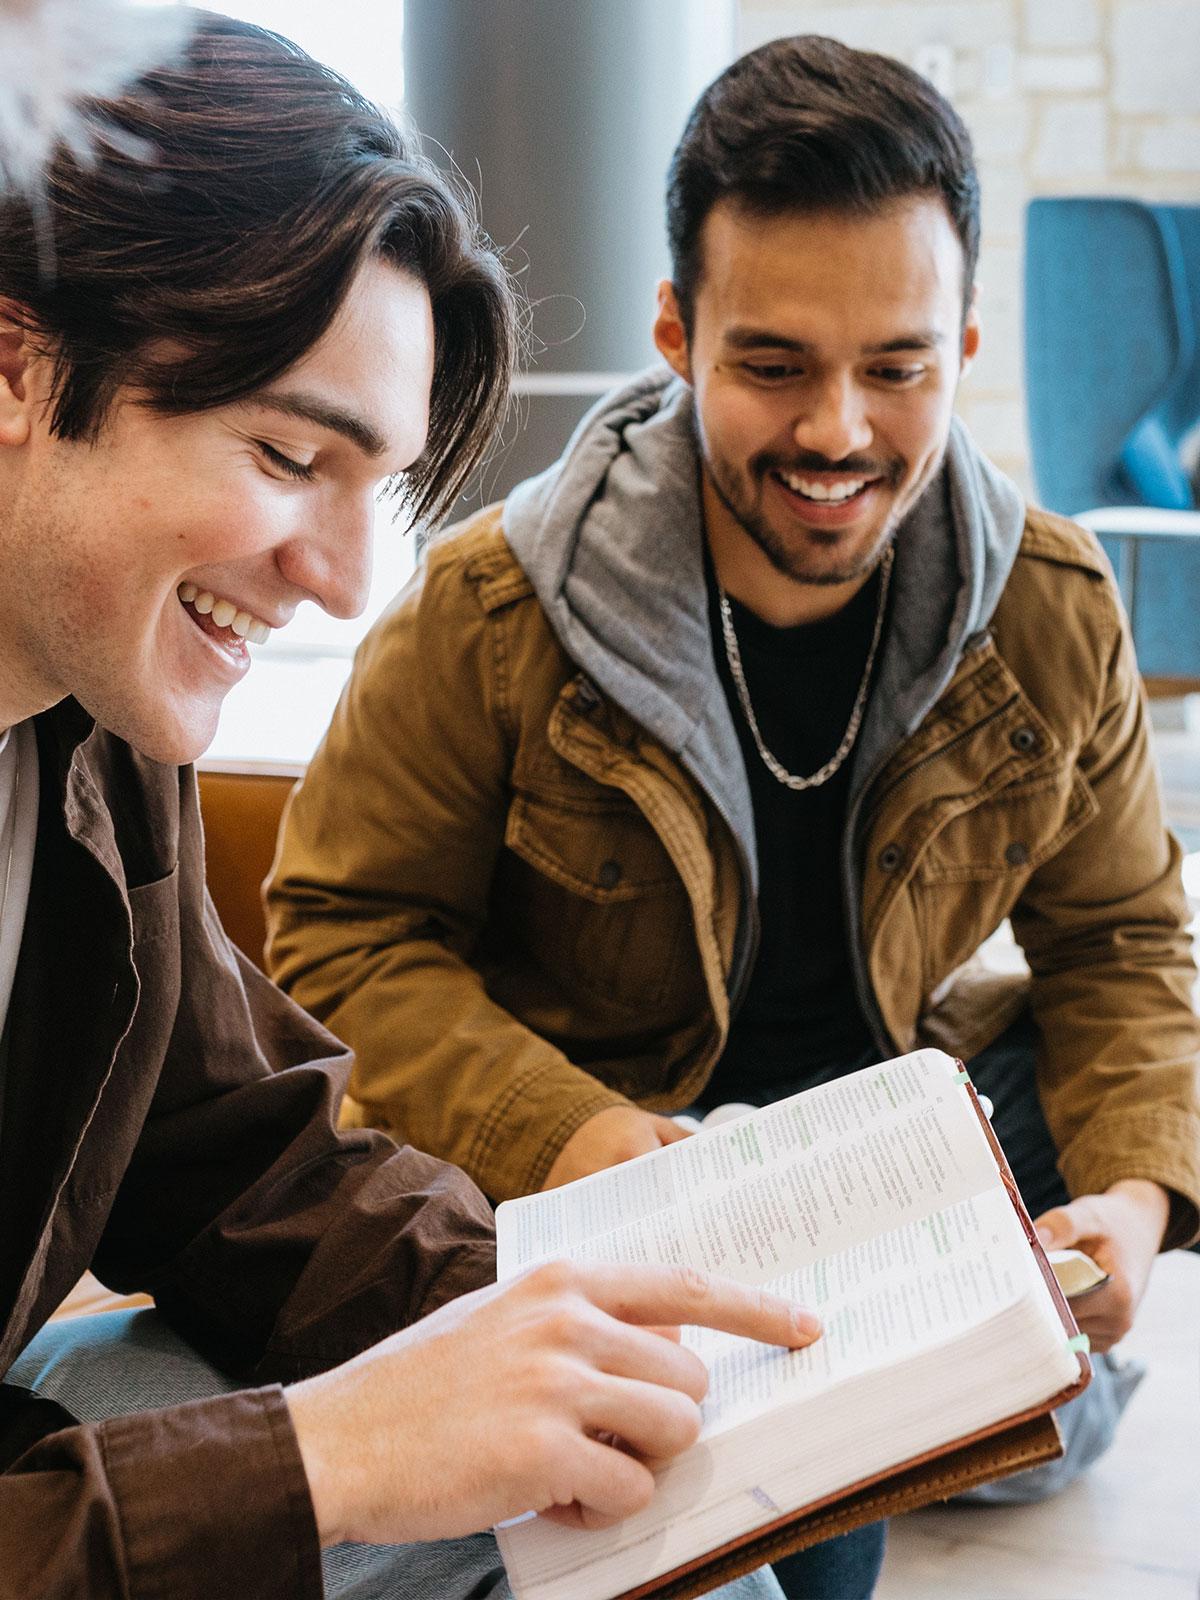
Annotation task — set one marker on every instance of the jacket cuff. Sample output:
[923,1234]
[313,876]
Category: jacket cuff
[517,1142]
[214,1501]
[1162,1146]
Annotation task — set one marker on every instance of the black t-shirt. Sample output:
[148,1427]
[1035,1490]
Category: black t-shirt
[799,1022]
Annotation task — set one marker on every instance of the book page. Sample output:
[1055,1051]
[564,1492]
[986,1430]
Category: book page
[770,1192]
[879,1301]
[873,1200]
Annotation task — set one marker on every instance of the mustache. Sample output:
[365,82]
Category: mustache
[857,466]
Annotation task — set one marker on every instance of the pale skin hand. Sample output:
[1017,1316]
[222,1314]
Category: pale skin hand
[549,1393]
[614,1135]
[1122,1230]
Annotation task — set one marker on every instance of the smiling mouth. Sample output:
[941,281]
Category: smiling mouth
[221,619]
[824,491]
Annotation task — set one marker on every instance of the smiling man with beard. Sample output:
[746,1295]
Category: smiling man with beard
[700,770]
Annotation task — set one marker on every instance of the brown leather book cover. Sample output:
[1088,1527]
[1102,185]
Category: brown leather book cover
[1011,1445]
[1027,1444]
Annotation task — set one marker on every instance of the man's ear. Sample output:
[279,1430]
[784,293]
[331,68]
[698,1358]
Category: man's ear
[971,334]
[15,358]
[670,335]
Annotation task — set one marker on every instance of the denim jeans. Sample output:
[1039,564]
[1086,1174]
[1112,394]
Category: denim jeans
[124,1361]
[845,1568]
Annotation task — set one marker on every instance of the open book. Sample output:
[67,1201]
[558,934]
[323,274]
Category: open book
[883,1203]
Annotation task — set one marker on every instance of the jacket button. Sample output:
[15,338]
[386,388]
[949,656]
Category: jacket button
[890,857]
[1023,740]
[1017,854]
[610,874]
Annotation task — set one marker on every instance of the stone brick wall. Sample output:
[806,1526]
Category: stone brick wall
[1062,97]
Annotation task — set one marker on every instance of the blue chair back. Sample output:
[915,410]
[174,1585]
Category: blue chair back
[1112,358]
[1112,350]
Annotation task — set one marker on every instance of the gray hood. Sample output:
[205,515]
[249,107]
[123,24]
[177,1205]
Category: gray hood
[611,538]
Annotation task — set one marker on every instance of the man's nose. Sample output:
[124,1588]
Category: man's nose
[834,421]
[332,560]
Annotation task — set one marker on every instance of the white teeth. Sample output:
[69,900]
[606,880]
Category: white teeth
[225,614]
[823,491]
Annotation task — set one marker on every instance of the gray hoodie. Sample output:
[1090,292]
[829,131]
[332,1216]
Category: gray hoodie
[611,537]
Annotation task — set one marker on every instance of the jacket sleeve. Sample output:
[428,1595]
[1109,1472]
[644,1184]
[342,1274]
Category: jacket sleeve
[381,888]
[275,1243]
[197,1501]
[1103,924]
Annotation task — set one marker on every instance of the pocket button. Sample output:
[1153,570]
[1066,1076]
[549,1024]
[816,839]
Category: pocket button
[610,874]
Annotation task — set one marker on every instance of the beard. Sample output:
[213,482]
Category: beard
[813,560]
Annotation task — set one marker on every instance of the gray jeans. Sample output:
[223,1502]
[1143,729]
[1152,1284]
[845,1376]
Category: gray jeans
[122,1361]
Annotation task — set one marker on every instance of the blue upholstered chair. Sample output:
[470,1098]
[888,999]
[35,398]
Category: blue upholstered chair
[1112,357]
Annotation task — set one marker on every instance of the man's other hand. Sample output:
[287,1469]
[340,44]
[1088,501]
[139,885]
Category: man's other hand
[550,1393]
[610,1137]
[1121,1230]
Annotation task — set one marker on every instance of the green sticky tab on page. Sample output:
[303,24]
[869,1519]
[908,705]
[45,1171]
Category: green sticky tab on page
[1079,1341]
[962,1077]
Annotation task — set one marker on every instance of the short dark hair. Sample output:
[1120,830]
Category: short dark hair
[211,240]
[807,124]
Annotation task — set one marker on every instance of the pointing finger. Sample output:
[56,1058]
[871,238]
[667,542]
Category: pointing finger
[658,1295]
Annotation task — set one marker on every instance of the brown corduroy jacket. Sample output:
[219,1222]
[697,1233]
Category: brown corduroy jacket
[167,1121]
[520,909]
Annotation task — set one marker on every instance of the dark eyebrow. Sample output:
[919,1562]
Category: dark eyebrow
[311,408]
[747,338]
[927,339]
[744,338]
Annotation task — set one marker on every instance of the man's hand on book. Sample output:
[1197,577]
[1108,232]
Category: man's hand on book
[550,1393]
[614,1135]
[1122,1231]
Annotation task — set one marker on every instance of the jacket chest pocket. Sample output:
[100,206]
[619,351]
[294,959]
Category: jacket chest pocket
[594,901]
[1008,834]
[974,869]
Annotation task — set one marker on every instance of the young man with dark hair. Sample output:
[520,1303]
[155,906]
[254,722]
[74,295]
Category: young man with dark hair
[739,731]
[218,334]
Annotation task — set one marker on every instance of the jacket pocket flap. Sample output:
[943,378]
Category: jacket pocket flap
[604,854]
[1013,830]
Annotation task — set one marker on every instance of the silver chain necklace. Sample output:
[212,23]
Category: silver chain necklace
[734,656]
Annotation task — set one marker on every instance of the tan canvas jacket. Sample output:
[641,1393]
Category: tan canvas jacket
[519,909]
